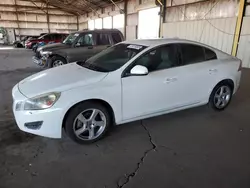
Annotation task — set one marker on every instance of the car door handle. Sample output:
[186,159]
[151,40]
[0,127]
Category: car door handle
[212,70]
[169,80]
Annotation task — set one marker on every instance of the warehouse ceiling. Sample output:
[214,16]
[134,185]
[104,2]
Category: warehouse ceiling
[78,7]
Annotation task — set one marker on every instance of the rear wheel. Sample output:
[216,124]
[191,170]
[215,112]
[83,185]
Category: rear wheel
[87,122]
[221,96]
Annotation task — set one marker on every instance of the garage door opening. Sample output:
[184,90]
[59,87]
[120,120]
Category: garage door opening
[149,23]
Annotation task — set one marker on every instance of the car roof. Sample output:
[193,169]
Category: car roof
[160,41]
[98,30]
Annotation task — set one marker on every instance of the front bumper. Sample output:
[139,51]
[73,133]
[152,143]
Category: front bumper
[51,118]
[27,46]
[41,62]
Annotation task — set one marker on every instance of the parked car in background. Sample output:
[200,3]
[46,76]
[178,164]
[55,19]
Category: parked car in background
[127,82]
[21,43]
[77,46]
[50,37]
[40,44]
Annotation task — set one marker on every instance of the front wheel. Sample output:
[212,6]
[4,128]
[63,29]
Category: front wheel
[87,122]
[220,96]
[56,61]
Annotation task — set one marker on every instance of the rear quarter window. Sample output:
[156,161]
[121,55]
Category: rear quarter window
[192,53]
[209,54]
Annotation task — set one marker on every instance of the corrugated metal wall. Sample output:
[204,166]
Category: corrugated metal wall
[30,20]
[244,43]
[209,22]
[204,31]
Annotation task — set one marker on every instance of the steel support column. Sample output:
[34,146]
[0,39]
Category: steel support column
[47,16]
[125,17]
[238,27]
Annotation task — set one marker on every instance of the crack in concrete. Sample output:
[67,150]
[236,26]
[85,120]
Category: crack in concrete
[139,164]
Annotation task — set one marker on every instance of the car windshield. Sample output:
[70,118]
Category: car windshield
[71,38]
[112,58]
[41,37]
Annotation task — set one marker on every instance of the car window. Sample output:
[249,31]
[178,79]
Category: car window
[112,58]
[85,40]
[58,36]
[161,58]
[47,37]
[54,36]
[192,53]
[116,37]
[210,55]
[102,39]
[71,38]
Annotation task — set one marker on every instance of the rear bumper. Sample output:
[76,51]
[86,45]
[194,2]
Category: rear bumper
[237,81]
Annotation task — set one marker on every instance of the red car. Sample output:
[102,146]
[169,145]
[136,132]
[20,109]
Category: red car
[47,38]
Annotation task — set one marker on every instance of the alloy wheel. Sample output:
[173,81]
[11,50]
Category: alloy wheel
[222,96]
[57,63]
[89,124]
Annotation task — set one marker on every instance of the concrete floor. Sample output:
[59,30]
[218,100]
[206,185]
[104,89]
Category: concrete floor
[193,148]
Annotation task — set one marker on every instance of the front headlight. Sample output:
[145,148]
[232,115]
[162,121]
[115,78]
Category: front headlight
[45,53]
[41,102]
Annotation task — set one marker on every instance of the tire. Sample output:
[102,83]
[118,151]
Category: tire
[218,101]
[55,59]
[84,130]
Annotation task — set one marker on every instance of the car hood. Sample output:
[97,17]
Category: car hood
[55,46]
[59,79]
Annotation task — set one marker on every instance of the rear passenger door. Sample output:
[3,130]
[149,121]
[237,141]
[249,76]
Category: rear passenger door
[103,41]
[197,72]
[116,37]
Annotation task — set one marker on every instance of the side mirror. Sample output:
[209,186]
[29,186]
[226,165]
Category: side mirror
[139,70]
[78,44]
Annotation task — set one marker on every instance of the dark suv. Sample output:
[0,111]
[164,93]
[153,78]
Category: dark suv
[77,46]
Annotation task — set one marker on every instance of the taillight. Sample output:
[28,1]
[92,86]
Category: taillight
[240,66]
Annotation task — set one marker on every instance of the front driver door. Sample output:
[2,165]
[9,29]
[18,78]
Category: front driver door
[155,92]
[83,49]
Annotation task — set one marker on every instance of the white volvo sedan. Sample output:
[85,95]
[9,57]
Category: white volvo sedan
[127,82]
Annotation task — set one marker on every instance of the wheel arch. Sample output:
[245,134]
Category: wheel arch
[51,58]
[229,81]
[100,101]
[58,55]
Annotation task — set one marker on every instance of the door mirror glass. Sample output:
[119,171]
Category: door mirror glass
[139,70]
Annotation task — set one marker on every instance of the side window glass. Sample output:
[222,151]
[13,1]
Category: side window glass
[85,40]
[210,55]
[161,58]
[192,53]
[116,37]
[46,37]
[58,37]
[102,39]
[54,37]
